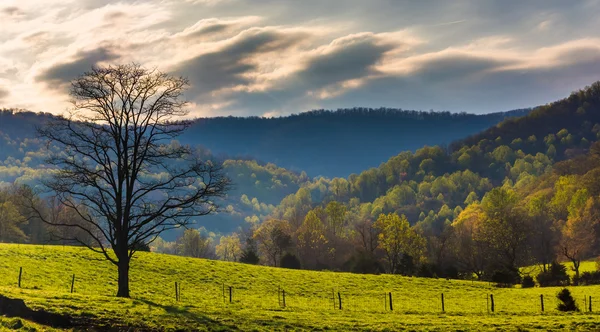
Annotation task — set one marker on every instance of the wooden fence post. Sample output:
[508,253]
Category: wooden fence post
[542,301]
[443,307]
[391,303]
[492,301]
[590,303]
[340,300]
[20,274]
[176,292]
[72,283]
[283,297]
[230,294]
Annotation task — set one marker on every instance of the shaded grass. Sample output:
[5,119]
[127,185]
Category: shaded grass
[47,273]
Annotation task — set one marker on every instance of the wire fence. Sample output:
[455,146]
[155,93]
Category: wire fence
[312,297]
[397,302]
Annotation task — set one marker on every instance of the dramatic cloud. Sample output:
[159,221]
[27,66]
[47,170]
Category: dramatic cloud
[60,74]
[233,64]
[267,57]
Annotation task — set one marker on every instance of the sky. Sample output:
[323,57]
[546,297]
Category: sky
[274,58]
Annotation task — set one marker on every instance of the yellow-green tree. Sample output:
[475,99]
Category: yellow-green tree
[506,227]
[312,241]
[273,237]
[10,219]
[336,217]
[578,234]
[194,244]
[469,248]
[397,238]
[229,248]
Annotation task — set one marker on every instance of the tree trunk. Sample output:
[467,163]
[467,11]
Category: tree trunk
[123,281]
[576,264]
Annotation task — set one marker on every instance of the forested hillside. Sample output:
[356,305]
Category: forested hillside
[336,143]
[321,140]
[523,192]
[343,141]
[507,197]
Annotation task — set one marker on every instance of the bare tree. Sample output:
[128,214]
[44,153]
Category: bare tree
[119,169]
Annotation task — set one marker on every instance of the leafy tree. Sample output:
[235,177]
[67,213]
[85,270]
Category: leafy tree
[312,240]
[229,248]
[505,228]
[545,235]
[336,215]
[273,238]
[470,249]
[10,220]
[193,244]
[397,239]
[578,234]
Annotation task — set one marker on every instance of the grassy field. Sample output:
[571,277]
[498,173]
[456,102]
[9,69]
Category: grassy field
[47,275]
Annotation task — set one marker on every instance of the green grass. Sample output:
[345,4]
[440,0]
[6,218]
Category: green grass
[47,273]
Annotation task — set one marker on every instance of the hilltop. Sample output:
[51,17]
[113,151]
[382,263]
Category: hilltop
[48,271]
[337,143]
[344,141]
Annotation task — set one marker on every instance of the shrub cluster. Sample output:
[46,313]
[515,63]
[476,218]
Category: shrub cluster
[588,278]
[527,282]
[556,275]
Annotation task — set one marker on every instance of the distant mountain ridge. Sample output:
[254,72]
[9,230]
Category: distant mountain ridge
[336,143]
[321,142]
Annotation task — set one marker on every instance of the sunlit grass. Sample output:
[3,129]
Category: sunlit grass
[47,275]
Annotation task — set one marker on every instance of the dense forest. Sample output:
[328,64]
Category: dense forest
[294,142]
[523,192]
[325,136]
[336,143]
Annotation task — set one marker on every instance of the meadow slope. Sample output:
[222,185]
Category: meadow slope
[312,300]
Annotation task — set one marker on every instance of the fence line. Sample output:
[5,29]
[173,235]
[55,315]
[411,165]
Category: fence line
[295,297]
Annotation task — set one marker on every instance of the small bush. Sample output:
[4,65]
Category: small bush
[249,257]
[528,282]
[506,278]
[555,276]
[363,262]
[567,302]
[588,278]
[290,261]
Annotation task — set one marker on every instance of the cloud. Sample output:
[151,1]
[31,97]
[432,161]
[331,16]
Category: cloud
[3,93]
[232,64]
[279,57]
[212,28]
[12,11]
[345,58]
[57,75]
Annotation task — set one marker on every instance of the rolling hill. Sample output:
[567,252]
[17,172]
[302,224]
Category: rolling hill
[344,141]
[255,305]
[336,143]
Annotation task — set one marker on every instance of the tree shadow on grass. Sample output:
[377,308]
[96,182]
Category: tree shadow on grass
[198,318]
